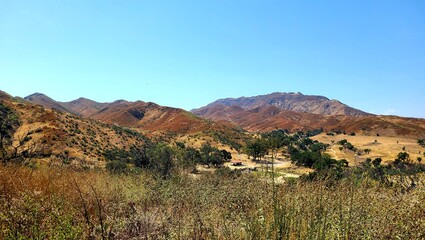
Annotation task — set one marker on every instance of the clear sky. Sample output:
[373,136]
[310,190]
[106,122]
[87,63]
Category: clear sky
[187,53]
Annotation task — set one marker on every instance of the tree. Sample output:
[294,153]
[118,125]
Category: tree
[225,155]
[402,157]
[326,162]
[419,159]
[140,157]
[219,157]
[256,149]
[306,158]
[421,142]
[274,143]
[161,160]
[9,122]
[206,152]
[376,162]
[212,156]
[318,147]
[190,158]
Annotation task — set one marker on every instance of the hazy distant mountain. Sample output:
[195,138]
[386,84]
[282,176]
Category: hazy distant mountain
[288,101]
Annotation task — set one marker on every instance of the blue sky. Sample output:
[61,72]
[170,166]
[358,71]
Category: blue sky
[367,54]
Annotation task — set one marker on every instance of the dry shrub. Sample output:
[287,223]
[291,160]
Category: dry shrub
[57,203]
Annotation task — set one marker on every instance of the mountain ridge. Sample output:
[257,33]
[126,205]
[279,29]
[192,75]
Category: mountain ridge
[306,112]
[145,115]
[264,119]
[297,102]
[252,114]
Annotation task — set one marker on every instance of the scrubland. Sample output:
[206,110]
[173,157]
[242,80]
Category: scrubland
[59,203]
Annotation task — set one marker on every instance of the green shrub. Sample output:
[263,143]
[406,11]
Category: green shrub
[116,167]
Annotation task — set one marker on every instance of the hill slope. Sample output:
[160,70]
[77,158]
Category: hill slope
[44,133]
[262,114]
[48,102]
[49,134]
[83,106]
[144,115]
[296,102]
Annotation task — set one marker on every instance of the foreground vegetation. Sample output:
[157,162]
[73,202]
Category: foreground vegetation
[153,190]
[58,203]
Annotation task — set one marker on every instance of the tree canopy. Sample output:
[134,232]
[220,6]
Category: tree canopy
[9,122]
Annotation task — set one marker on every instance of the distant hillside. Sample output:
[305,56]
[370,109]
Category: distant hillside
[52,132]
[84,106]
[262,113]
[150,116]
[47,102]
[4,96]
[144,115]
[296,102]
[266,113]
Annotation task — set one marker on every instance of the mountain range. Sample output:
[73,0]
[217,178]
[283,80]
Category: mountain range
[139,114]
[296,102]
[292,111]
[86,130]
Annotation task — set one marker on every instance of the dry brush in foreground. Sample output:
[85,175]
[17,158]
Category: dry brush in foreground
[56,203]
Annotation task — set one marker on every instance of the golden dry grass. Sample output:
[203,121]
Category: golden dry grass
[386,148]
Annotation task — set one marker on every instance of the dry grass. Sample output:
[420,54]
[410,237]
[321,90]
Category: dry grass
[386,148]
[61,204]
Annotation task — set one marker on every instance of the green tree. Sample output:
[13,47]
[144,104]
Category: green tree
[256,149]
[140,157]
[212,156]
[9,122]
[403,157]
[190,158]
[305,158]
[161,160]
[421,142]
[376,162]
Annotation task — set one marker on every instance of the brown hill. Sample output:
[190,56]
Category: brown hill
[48,102]
[151,116]
[268,118]
[83,106]
[296,102]
[49,134]
[45,133]
[143,115]
[262,113]
[4,96]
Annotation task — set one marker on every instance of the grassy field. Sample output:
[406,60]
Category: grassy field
[386,148]
[57,203]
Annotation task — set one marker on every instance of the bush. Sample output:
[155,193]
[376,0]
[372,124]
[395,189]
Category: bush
[161,160]
[116,167]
